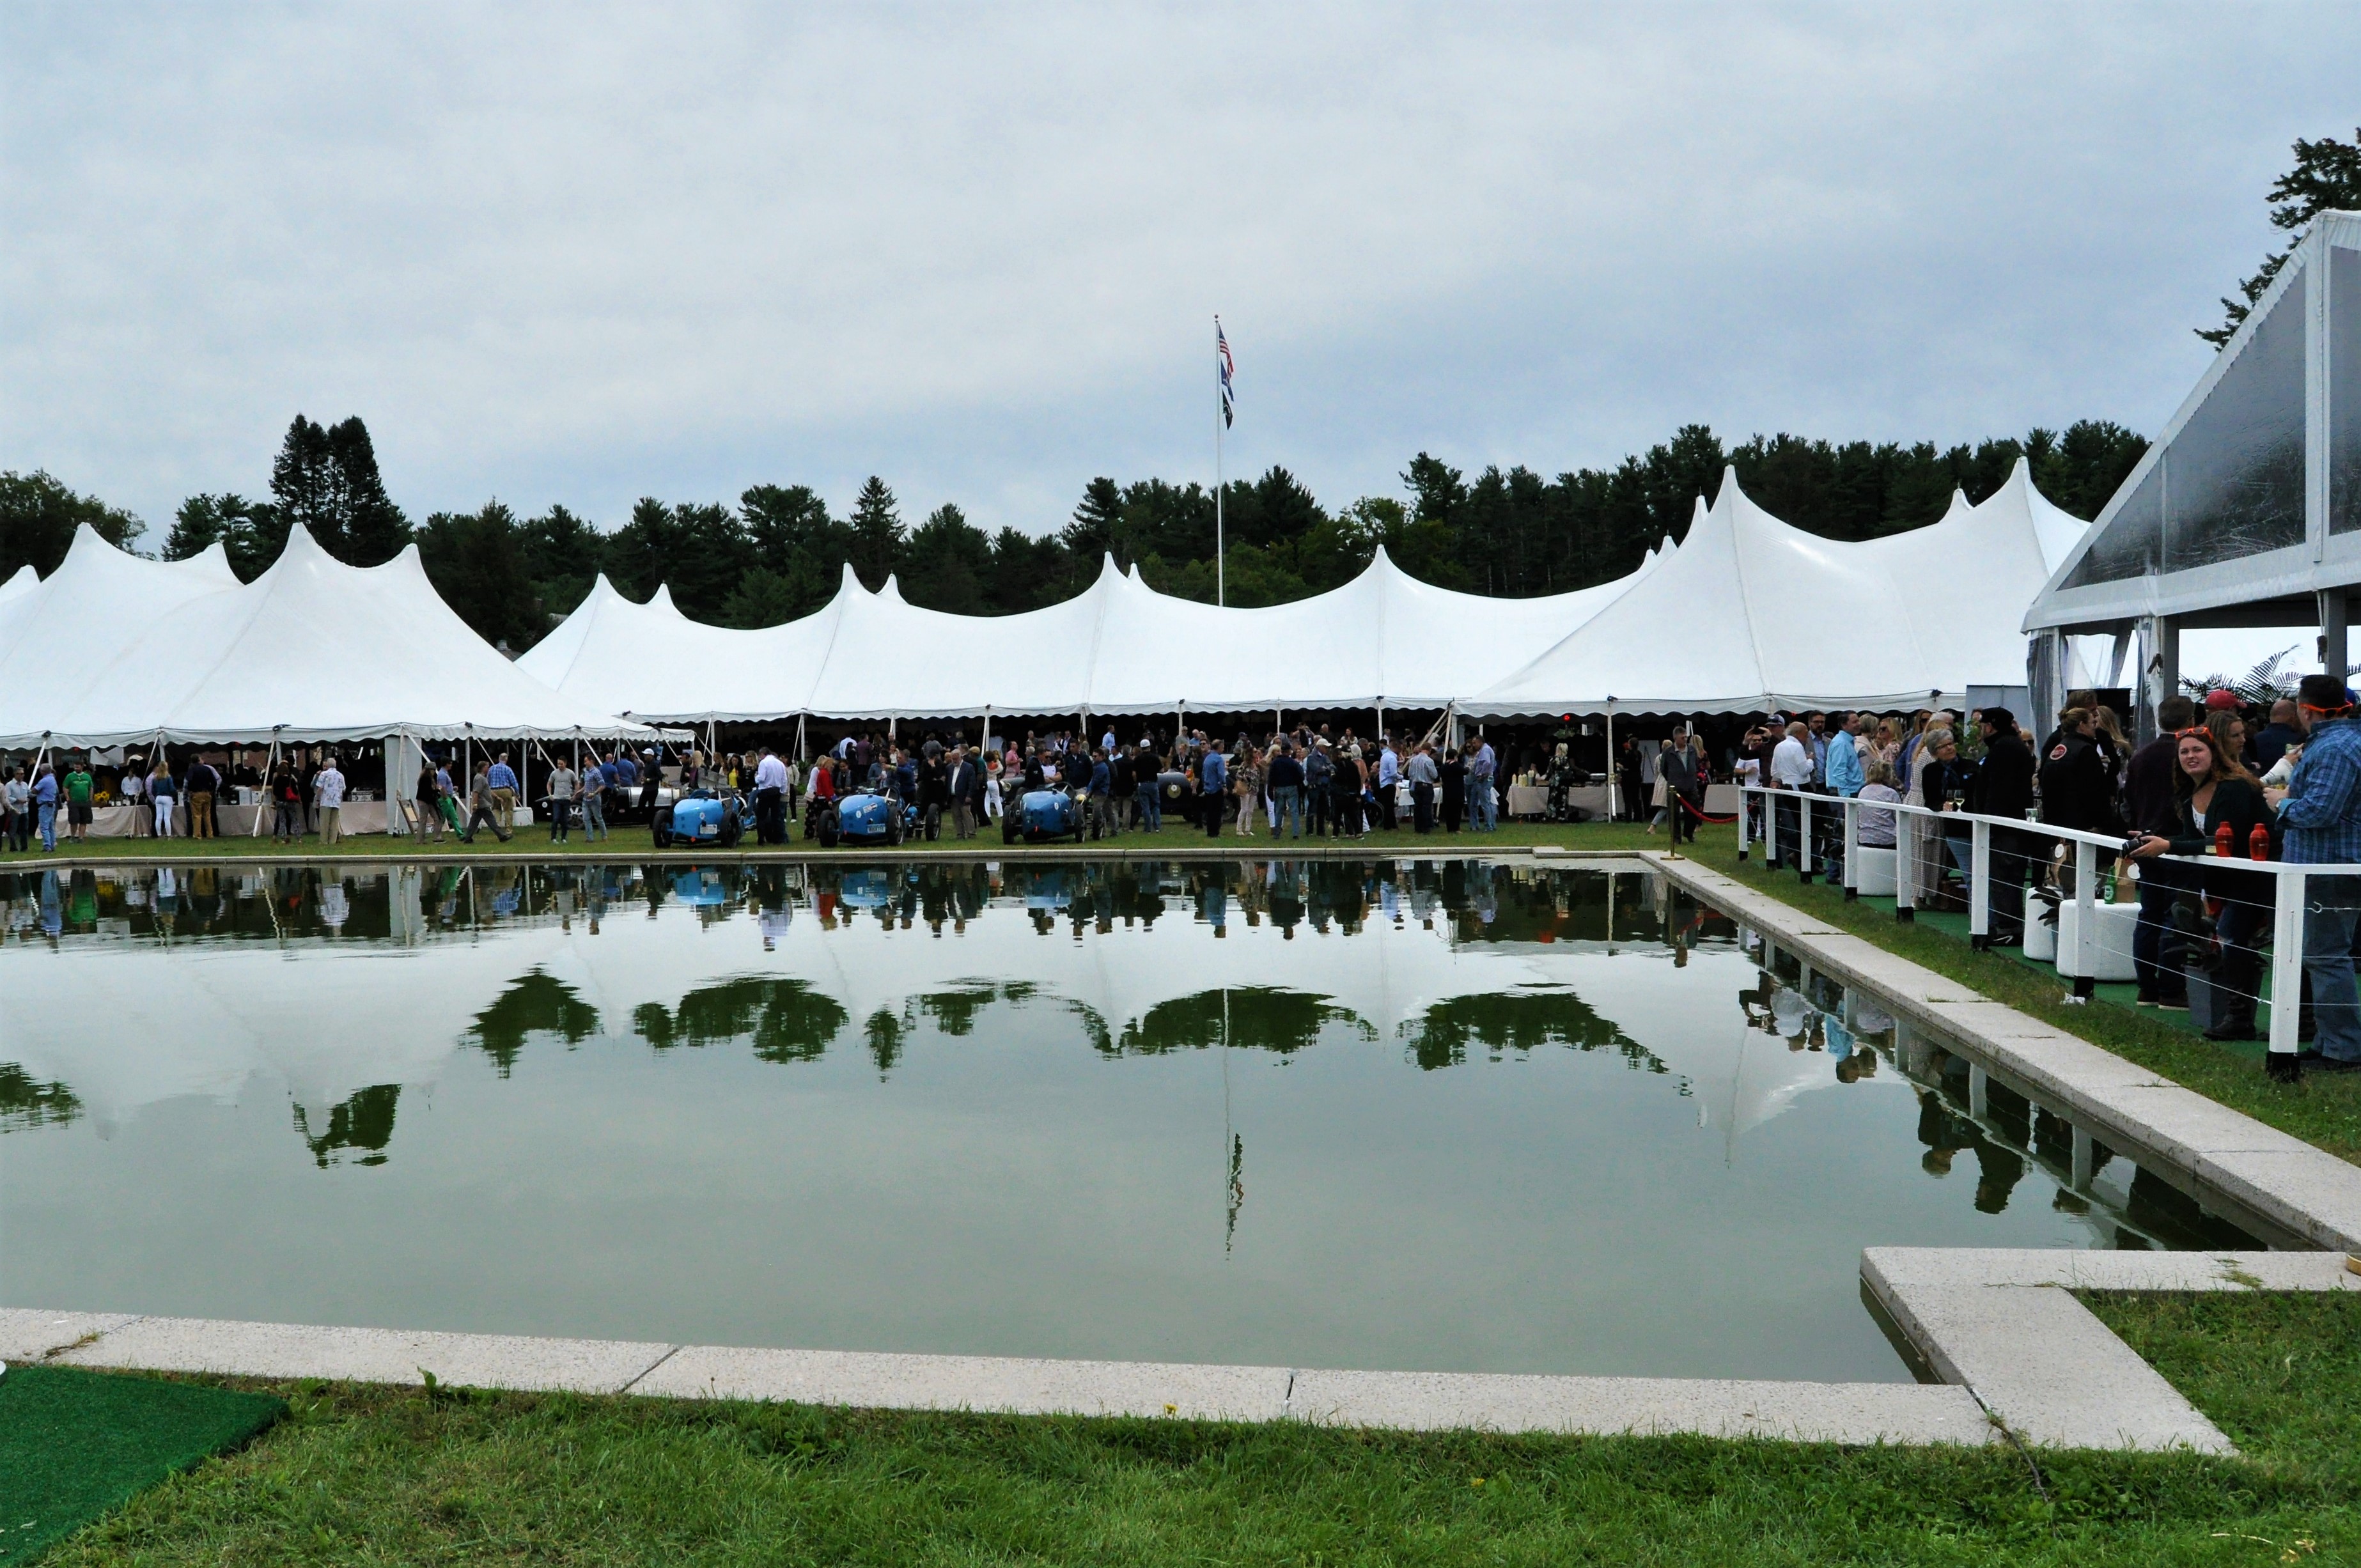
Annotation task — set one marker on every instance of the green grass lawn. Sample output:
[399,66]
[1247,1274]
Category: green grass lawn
[386,1475]
[627,842]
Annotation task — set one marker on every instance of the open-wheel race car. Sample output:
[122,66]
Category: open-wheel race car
[864,816]
[1041,814]
[703,817]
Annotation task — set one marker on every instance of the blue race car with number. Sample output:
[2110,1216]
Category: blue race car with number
[866,816]
[1039,815]
[701,816]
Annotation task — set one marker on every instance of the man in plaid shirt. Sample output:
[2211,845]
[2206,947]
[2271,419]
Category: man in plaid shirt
[2321,812]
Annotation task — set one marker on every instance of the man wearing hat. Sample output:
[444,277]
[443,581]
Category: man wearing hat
[2321,810]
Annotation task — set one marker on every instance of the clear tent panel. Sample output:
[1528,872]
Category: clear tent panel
[2133,542]
[2343,390]
[2233,474]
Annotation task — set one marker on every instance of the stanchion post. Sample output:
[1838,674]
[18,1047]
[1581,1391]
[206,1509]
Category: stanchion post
[1803,836]
[2086,920]
[2287,970]
[1905,866]
[1980,884]
[1745,818]
[1852,848]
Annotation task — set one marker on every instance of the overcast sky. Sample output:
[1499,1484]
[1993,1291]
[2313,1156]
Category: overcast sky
[562,254]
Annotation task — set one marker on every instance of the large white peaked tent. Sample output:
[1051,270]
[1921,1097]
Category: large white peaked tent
[311,650]
[1750,614]
[1118,647]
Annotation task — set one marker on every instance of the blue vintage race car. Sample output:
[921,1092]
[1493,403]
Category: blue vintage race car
[1039,815]
[701,816]
[864,816]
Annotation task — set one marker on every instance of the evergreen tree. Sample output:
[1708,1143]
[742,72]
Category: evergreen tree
[242,528]
[39,516]
[2326,178]
[876,545]
[477,561]
[1097,526]
[369,529]
[946,564]
[303,487]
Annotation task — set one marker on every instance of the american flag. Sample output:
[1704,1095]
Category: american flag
[1223,370]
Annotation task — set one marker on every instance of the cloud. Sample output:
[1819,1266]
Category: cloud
[568,255]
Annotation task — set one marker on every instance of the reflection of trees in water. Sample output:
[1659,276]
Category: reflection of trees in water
[953,1012]
[26,1102]
[786,1020]
[1251,1018]
[363,1122]
[1517,1020]
[534,1005]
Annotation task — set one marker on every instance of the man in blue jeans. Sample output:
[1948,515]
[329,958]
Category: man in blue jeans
[1285,793]
[1212,785]
[44,802]
[2321,810]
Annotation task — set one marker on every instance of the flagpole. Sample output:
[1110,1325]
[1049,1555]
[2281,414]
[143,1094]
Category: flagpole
[1221,584]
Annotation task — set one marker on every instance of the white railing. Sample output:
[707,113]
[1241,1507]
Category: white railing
[2287,903]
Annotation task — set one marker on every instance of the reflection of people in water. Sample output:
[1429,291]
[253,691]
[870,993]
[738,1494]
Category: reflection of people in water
[1946,1133]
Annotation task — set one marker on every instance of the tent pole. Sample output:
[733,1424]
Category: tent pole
[1614,788]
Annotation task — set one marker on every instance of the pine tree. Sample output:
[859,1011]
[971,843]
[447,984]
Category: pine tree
[1097,526]
[876,544]
[242,528]
[2326,178]
[304,487]
[371,529]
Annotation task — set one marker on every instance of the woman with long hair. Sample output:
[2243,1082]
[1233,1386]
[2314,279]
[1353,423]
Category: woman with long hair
[2212,791]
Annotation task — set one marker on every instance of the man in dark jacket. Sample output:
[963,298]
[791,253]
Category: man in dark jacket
[934,791]
[2005,789]
[2271,741]
[2158,957]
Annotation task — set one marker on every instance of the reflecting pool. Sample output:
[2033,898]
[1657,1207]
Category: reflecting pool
[1442,1114]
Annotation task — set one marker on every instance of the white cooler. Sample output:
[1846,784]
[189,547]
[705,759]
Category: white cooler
[2112,960]
[1874,879]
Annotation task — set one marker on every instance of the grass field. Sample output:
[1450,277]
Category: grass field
[385,1475]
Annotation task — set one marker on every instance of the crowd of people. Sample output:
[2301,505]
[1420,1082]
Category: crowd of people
[2223,783]
[1308,781]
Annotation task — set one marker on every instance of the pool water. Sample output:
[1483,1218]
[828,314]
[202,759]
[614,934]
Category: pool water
[1446,1115]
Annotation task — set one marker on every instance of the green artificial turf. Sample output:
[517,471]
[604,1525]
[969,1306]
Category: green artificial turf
[401,1475]
[75,1444]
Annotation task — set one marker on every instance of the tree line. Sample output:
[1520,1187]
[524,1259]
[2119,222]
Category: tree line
[780,551]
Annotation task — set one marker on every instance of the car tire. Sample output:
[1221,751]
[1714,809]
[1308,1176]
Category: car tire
[730,831]
[661,826]
[1007,829]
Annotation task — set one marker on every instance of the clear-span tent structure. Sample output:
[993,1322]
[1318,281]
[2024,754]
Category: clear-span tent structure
[1119,647]
[2248,509]
[113,648]
[1751,615]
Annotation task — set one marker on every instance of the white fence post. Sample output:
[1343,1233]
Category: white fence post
[2287,972]
[1745,818]
[1850,807]
[1979,882]
[2086,920]
[1905,865]
[1803,836]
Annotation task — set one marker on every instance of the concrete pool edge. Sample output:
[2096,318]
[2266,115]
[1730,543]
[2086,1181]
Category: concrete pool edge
[2021,1358]
[1853,1413]
[2313,1197]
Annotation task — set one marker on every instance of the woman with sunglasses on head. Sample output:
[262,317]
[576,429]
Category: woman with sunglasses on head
[2212,792]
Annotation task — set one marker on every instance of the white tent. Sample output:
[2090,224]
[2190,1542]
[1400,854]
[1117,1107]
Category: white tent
[1119,647]
[114,649]
[1750,614]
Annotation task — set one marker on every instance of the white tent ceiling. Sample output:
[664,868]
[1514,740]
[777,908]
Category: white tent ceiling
[112,648]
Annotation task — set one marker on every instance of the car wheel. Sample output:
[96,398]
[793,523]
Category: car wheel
[730,829]
[1007,829]
[662,826]
[829,829]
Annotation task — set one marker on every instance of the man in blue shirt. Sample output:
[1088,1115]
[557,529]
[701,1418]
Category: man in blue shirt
[1212,785]
[501,780]
[45,802]
[1388,784]
[2321,811]
[1482,764]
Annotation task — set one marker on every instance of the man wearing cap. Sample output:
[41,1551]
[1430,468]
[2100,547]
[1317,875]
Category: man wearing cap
[2321,810]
